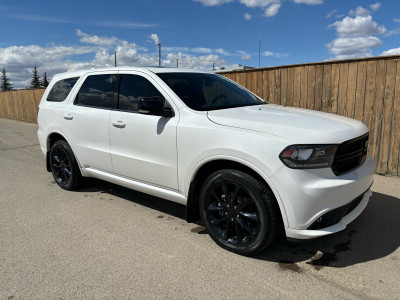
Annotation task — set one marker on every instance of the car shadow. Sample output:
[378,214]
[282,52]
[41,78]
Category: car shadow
[373,235]
[168,207]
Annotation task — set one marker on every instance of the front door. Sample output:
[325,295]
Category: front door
[143,147]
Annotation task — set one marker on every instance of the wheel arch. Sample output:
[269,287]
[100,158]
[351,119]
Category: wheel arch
[51,139]
[209,167]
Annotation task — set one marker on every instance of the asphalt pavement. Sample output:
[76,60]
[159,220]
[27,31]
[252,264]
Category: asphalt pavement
[108,242]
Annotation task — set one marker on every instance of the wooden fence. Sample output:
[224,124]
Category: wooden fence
[20,104]
[365,89]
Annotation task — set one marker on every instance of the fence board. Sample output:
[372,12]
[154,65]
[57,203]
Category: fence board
[351,90]
[303,87]
[310,87]
[319,71]
[284,85]
[326,87]
[378,108]
[290,81]
[387,123]
[265,84]
[394,158]
[297,86]
[343,80]
[333,96]
[277,85]
[360,90]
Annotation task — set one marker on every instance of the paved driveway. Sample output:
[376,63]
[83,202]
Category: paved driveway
[105,241]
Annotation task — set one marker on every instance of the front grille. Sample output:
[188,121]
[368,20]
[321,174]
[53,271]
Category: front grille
[335,215]
[350,155]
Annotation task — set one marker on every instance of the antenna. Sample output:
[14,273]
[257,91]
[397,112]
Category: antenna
[259,53]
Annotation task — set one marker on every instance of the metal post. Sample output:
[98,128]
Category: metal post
[115,58]
[177,62]
[213,66]
[159,54]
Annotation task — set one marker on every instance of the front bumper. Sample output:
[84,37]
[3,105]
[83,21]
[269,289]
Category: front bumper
[307,195]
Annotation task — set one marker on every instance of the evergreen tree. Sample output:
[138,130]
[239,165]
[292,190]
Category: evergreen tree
[35,82]
[45,82]
[5,83]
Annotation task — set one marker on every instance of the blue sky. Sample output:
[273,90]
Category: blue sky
[59,36]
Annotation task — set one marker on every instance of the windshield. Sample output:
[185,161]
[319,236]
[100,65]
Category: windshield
[202,91]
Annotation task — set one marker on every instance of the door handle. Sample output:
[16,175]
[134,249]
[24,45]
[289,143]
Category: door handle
[118,124]
[68,116]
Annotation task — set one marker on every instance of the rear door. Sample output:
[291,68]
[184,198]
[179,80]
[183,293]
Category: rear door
[86,121]
[143,147]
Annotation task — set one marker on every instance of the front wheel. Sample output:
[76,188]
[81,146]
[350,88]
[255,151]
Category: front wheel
[64,166]
[239,212]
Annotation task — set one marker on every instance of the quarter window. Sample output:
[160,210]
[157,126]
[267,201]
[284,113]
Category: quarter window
[99,91]
[61,89]
[132,89]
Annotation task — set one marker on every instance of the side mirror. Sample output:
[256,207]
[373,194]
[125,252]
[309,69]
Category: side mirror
[154,106]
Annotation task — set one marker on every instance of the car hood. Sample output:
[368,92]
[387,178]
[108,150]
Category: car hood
[302,126]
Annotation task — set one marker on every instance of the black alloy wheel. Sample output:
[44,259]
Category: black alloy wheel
[238,211]
[64,166]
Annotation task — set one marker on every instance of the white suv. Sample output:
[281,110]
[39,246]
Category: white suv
[247,168]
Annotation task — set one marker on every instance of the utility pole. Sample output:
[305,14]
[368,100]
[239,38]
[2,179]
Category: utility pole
[177,62]
[159,54]
[115,58]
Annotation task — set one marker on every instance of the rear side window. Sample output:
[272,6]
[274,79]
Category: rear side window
[132,89]
[61,89]
[99,91]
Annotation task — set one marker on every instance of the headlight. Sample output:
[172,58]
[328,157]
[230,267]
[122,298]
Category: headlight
[308,156]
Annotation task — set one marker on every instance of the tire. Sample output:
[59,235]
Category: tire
[239,212]
[64,166]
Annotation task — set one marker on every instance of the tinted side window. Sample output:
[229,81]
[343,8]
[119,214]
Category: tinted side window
[98,91]
[61,89]
[132,89]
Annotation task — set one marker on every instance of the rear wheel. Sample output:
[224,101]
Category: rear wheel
[240,214]
[64,166]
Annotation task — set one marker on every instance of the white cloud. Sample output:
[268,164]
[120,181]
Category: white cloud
[258,3]
[176,49]
[356,36]
[375,6]
[391,32]
[396,20]
[395,51]
[154,38]
[274,54]
[353,47]
[213,2]
[358,26]
[311,2]
[243,54]
[272,10]
[95,40]
[19,60]
[201,50]
[359,11]
[331,13]
[247,16]
[222,52]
